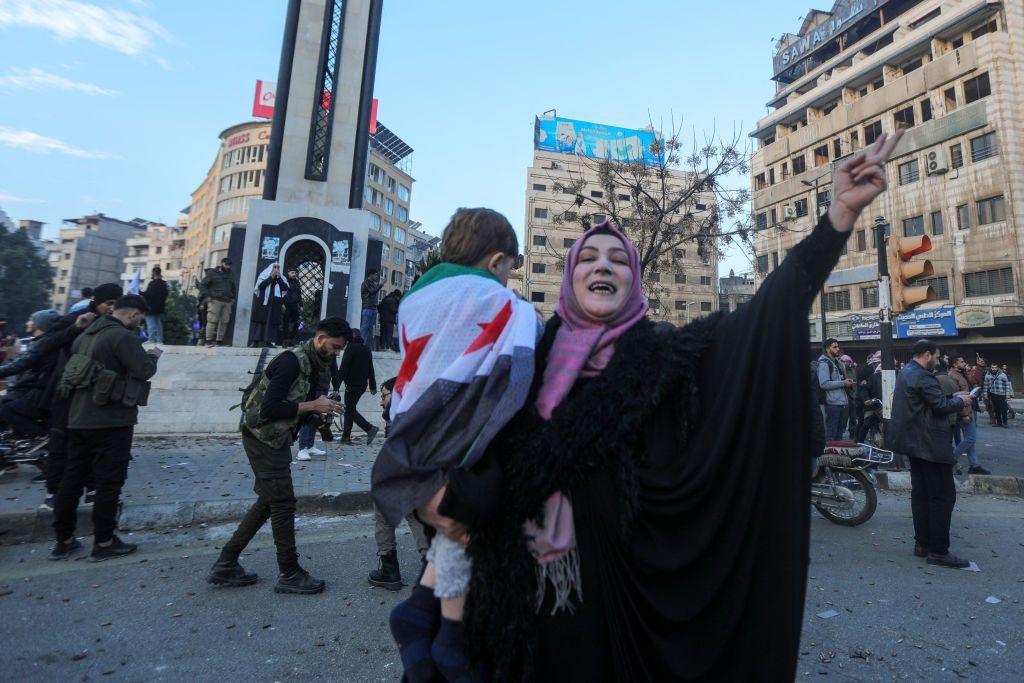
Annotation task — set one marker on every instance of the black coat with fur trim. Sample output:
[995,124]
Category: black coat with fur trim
[686,461]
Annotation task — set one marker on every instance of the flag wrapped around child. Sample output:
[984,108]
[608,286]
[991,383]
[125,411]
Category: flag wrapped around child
[467,347]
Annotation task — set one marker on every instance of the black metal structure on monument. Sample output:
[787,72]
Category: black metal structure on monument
[321,123]
[308,259]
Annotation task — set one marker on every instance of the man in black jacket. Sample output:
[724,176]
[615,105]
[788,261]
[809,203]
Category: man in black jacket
[356,372]
[388,310]
[156,299]
[919,428]
[292,309]
[25,407]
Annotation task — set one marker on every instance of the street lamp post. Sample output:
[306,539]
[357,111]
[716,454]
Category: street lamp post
[821,295]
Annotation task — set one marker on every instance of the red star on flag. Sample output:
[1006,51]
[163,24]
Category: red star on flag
[492,330]
[411,362]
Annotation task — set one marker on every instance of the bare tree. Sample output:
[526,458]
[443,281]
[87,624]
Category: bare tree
[681,201]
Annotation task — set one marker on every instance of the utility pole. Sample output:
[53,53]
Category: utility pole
[821,294]
[885,319]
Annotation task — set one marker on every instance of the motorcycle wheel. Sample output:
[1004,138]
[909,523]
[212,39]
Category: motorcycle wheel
[861,512]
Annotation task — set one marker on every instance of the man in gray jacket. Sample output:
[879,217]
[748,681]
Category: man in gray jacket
[833,382]
[219,290]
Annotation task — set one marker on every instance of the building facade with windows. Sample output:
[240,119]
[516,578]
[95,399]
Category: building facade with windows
[160,245]
[949,72]
[221,202]
[89,252]
[735,290]
[681,296]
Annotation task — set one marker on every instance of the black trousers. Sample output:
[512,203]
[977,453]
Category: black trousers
[932,498]
[1000,407]
[18,413]
[105,453]
[387,332]
[290,323]
[275,500]
[352,396]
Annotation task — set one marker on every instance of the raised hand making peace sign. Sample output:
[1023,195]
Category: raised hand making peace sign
[858,180]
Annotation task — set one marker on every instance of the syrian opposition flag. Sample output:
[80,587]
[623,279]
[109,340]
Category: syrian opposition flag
[467,363]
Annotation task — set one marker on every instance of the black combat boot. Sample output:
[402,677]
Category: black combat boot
[230,573]
[298,581]
[387,575]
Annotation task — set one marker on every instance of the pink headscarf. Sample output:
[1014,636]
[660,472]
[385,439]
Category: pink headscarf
[583,346]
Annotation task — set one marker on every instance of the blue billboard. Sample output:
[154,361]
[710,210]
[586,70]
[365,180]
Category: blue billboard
[594,140]
[934,322]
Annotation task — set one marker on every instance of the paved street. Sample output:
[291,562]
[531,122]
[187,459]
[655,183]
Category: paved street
[151,616]
[1000,450]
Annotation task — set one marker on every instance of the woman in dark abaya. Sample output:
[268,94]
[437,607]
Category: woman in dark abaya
[268,310]
[653,516]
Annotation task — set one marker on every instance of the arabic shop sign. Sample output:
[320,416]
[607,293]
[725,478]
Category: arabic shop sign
[845,13]
[934,322]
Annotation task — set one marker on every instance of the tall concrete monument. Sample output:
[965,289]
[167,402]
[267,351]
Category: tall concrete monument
[310,217]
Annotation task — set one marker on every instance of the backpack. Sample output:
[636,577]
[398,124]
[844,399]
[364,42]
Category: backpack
[815,364]
[247,390]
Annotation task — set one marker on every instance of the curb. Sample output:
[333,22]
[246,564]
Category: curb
[972,483]
[36,525]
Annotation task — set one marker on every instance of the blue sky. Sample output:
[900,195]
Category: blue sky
[115,105]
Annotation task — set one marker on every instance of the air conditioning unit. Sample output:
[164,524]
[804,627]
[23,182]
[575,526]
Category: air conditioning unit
[936,162]
[788,212]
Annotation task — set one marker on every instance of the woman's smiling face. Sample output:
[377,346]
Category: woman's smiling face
[602,277]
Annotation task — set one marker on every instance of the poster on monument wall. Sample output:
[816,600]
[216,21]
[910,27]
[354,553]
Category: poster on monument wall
[270,248]
[341,256]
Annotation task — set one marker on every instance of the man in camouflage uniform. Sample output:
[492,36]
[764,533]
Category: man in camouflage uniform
[284,398]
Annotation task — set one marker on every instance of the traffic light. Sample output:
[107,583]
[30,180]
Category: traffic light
[903,271]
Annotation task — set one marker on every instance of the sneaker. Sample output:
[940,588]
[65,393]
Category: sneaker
[978,470]
[117,548]
[62,551]
[371,433]
[303,454]
[948,560]
[346,441]
[313,450]
[299,581]
[228,573]
[48,502]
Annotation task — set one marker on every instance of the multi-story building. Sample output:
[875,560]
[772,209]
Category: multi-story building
[34,231]
[735,290]
[161,245]
[552,226]
[221,202]
[949,72]
[89,252]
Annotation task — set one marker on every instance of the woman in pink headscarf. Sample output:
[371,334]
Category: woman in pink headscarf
[651,520]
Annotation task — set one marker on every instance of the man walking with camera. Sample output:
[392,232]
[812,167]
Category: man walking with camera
[106,378]
[281,400]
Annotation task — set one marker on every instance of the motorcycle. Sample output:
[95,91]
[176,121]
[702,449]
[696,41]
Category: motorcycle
[16,451]
[843,485]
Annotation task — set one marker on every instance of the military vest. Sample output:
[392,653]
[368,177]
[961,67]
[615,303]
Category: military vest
[280,433]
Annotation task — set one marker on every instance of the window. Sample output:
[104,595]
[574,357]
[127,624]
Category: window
[878,85]
[913,226]
[399,235]
[374,222]
[785,170]
[653,276]
[540,213]
[775,260]
[984,147]
[824,199]
[862,240]
[63,272]
[963,217]
[986,282]
[926,110]
[389,207]
[977,88]
[567,242]
[705,279]
[958,43]
[937,226]
[801,207]
[705,306]
[385,253]
[159,250]
[700,207]
[910,172]
[596,193]
[989,27]
[949,95]
[869,297]
[570,216]
[872,131]
[762,263]
[537,297]
[774,216]
[680,278]
[854,140]
[904,118]
[398,257]
[598,218]
[680,305]
[623,197]
[761,220]
[956,155]
[991,210]
[837,148]
[837,301]
[771,176]
[759,182]
[403,213]
[539,188]
[403,193]
[538,268]
[940,284]
[821,155]
[799,164]
[61,290]
[391,185]
[539,240]
[912,66]
[385,228]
